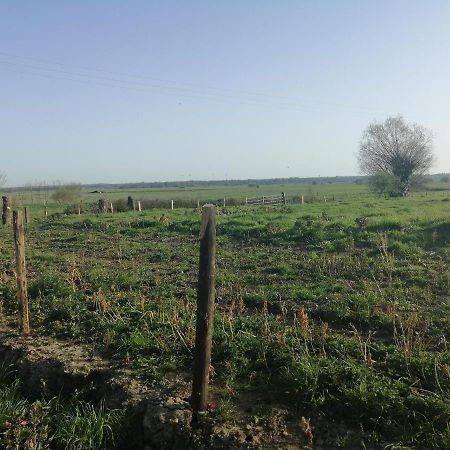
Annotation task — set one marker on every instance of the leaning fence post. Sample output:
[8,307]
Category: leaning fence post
[205,309]
[6,210]
[21,271]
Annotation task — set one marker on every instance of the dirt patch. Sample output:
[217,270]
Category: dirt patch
[160,417]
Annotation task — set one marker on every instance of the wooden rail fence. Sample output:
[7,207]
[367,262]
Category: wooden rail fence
[267,200]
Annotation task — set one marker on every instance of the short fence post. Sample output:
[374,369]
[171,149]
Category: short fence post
[21,271]
[130,203]
[45,210]
[6,210]
[302,200]
[101,206]
[198,203]
[263,200]
[79,210]
[283,195]
[139,206]
[171,205]
[111,207]
[205,309]
[27,215]
[224,202]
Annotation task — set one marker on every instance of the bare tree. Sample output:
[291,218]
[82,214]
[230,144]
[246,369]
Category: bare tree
[398,151]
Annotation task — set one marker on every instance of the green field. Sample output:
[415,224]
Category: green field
[338,310]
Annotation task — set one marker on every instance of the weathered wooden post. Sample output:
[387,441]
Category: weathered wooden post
[263,199]
[246,200]
[224,204]
[205,309]
[139,206]
[302,200]
[283,196]
[171,205]
[27,215]
[111,207]
[102,205]
[45,210]
[6,211]
[198,203]
[79,210]
[130,203]
[21,272]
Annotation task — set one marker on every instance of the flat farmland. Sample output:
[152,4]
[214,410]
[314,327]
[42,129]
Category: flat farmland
[337,310]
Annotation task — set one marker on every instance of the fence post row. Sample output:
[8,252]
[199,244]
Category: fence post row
[205,309]
[19,243]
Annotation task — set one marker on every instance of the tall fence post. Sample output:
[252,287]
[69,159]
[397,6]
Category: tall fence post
[21,271]
[27,215]
[205,309]
[6,210]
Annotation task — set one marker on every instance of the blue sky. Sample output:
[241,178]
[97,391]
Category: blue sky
[123,91]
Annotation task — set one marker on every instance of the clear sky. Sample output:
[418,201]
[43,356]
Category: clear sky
[124,91]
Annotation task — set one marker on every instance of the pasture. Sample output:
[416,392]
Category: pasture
[335,312]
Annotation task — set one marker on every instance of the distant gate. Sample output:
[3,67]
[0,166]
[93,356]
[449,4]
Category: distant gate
[267,200]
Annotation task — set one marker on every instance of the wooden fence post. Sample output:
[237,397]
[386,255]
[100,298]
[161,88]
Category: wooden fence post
[139,206]
[111,207]
[102,205]
[79,210]
[27,215]
[6,211]
[205,309]
[171,205]
[224,204]
[302,200]
[283,195]
[21,271]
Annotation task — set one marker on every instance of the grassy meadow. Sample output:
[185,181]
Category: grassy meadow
[339,310]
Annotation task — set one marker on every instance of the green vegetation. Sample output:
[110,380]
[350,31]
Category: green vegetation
[53,423]
[339,308]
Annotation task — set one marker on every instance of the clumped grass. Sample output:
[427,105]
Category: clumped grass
[54,424]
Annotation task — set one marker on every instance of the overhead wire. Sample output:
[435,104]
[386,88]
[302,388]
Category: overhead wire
[169,87]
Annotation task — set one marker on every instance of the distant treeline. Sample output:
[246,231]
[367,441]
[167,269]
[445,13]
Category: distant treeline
[205,183]
[248,182]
